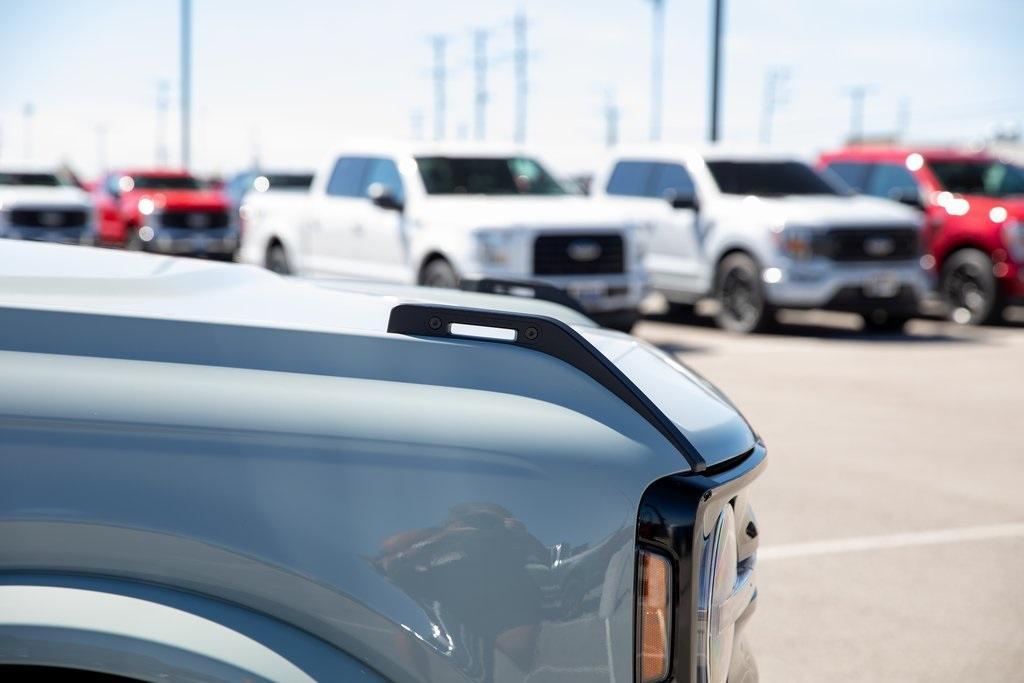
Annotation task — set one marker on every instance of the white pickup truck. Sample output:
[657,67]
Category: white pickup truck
[44,205]
[439,214]
[758,232]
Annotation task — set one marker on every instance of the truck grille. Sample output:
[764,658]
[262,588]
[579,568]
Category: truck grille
[49,218]
[578,255]
[195,220]
[869,244]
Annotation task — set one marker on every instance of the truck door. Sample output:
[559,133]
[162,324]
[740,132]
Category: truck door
[334,225]
[675,259]
[383,239]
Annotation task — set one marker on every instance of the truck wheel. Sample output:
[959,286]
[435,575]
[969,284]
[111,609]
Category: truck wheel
[741,301]
[971,289]
[439,273]
[277,260]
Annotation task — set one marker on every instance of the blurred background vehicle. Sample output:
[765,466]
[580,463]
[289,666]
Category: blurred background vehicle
[434,214]
[759,231]
[45,205]
[974,205]
[166,211]
[262,180]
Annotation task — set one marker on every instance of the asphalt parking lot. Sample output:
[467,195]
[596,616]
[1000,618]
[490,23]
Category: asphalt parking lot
[892,509]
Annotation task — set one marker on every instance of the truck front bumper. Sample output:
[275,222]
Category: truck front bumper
[605,294]
[855,287]
[192,242]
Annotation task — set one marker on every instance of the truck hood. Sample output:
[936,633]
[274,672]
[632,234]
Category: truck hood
[825,211]
[100,281]
[42,196]
[468,212]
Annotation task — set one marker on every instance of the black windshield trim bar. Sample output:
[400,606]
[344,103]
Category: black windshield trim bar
[554,338]
[540,290]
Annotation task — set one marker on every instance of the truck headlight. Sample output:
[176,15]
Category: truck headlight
[796,243]
[146,206]
[716,627]
[654,621]
[494,247]
[1013,237]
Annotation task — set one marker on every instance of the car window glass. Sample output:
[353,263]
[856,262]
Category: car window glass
[630,179]
[347,177]
[853,173]
[671,179]
[385,172]
[891,181]
[769,178]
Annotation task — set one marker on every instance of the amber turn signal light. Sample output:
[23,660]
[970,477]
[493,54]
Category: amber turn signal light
[654,616]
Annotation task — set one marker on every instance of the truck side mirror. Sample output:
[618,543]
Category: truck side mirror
[383,196]
[682,201]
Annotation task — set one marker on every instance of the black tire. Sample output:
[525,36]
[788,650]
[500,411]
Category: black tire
[134,242]
[742,306]
[439,273]
[885,323]
[682,313]
[276,259]
[970,288]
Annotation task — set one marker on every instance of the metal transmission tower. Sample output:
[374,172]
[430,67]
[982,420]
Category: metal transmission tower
[775,81]
[186,83]
[857,94]
[480,95]
[521,56]
[162,104]
[716,67]
[657,66]
[440,43]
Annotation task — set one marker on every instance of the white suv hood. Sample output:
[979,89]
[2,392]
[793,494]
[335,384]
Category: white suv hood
[826,211]
[469,212]
[28,195]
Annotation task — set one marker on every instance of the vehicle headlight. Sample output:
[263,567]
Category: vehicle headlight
[1013,237]
[494,246]
[715,625]
[796,243]
[146,206]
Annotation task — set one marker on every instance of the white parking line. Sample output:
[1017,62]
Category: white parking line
[852,545]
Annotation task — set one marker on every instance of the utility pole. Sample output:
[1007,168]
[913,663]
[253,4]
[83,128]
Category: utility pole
[101,147]
[611,119]
[903,118]
[162,103]
[521,56]
[657,66]
[480,94]
[774,95]
[857,95]
[186,83]
[27,112]
[716,68]
[440,82]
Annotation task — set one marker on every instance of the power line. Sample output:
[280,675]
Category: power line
[480,94]
[657,66]
[440,43]
[775,80]
[521,56]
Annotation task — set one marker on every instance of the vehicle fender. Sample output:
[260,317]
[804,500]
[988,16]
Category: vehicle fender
[148,632]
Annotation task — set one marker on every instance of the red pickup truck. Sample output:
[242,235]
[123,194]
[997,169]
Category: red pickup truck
[974,204]
[165,211]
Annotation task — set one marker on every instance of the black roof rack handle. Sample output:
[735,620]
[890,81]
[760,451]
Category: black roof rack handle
[544,335]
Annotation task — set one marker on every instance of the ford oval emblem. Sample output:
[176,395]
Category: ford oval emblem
[584,250]
[879,246]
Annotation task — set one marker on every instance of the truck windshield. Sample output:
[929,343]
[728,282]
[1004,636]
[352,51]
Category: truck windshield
[768,178]
[173,182]
[462,175]
[36,179]
[980,177]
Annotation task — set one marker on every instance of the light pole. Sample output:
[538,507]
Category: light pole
[186,83]
[716,67]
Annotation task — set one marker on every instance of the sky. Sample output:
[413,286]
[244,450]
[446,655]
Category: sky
[284,82]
